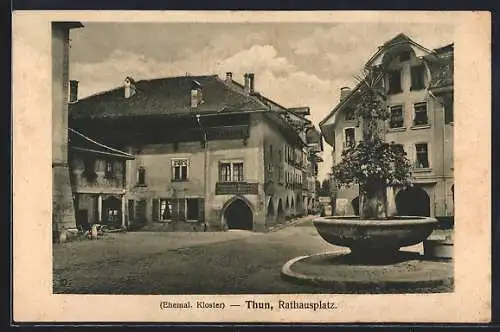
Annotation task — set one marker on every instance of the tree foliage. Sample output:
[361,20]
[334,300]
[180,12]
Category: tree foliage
[372,161]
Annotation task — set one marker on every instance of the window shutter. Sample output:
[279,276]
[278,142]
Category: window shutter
[155,209]
[201,207]
[182,209]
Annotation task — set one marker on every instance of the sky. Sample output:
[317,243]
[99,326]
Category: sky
[295,64]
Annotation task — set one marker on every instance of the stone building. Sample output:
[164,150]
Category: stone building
[418,85]
[210,153]
[97,174]
[63,214]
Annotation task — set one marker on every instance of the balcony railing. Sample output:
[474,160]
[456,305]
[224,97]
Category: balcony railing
[236,188]
[228,132]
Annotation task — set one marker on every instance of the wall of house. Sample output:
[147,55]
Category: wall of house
[435,180]
[156,160]
[63,214]
[278,189]
[101,183]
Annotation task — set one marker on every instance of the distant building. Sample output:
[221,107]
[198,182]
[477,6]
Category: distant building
[210,153]
[419,86]
[63,214]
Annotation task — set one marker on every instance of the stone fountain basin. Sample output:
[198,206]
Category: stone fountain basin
[374,236]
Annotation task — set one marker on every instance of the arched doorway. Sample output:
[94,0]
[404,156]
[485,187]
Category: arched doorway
[355,205]
[112,211]
[281,212]
[413,201]
[287,204]
[270,208]
[292,205]
[238,215]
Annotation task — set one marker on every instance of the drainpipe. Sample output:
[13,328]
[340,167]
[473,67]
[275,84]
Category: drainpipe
[444,159]
[205,166]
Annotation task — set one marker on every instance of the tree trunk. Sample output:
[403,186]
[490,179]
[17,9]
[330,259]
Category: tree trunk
[373,201]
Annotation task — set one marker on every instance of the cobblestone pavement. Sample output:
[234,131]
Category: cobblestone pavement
[233,262]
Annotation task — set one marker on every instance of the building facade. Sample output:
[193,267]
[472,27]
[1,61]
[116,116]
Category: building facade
[97,175]
[209,153]
[63,214]
[418,86]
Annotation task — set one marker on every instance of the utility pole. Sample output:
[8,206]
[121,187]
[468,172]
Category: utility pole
[205,166]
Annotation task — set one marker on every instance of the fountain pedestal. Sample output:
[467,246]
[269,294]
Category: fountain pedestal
[374,262]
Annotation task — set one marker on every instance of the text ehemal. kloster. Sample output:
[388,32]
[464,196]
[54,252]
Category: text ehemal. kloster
[253,305]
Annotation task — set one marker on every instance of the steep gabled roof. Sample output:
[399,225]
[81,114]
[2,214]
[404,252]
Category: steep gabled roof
[398,40]
[440,61]
[166,96]
[80,142]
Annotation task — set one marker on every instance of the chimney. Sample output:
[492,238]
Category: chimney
[129,87]
[251,77]
[73,91]
[229,77]
[344,92]
[247,83]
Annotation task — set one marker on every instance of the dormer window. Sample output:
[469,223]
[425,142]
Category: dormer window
[196,95]
[129,87]
[349,114]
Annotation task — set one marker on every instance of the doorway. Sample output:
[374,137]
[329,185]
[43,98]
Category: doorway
[413,201]
[111,208]
[238,215]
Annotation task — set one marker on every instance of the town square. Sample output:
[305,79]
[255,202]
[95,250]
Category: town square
[243,168]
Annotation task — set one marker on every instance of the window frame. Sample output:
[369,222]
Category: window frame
[390,73]
[109,174]
[413,68]
[391,108]
[415,106]
[178,202]
[415,162]
[160,214]
[139,182]
[231,164]
[173,167]
[345,137]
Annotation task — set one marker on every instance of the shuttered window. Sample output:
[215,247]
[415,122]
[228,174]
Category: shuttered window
[155,210]
[172,209]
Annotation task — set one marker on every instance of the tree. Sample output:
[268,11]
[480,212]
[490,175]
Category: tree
[325,188]
[372,163]
[317,187]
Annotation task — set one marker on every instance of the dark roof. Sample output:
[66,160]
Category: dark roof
[80,142]
[400,38]
[303,110]
[166,96]
[442,67]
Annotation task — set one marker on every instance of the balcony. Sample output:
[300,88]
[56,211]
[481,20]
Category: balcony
[236,188]
[228,132]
